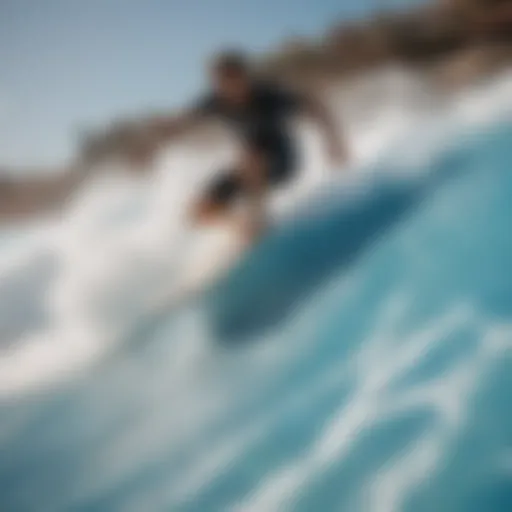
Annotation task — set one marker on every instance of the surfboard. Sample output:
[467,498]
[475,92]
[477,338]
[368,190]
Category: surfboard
[205,257]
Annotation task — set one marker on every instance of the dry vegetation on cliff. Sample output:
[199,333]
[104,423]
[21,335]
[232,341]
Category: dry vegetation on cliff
[455,41]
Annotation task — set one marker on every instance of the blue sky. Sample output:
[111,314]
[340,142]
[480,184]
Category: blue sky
[69,64]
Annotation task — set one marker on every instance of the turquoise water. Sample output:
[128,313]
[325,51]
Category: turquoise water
[358,360]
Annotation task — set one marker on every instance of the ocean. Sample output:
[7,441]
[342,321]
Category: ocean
[358,359]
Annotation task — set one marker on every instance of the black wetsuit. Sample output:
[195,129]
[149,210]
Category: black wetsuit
[261,124]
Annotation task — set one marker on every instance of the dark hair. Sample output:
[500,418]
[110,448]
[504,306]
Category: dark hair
[231,62]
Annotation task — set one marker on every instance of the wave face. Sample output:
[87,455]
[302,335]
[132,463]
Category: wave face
[359,359]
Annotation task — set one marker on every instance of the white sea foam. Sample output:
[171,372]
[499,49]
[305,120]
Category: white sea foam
[118,229]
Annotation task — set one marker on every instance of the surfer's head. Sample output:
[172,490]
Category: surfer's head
[231,75]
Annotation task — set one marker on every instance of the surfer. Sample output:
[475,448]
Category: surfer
[258,114]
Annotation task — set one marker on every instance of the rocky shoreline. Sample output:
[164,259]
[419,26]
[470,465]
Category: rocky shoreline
[453,42]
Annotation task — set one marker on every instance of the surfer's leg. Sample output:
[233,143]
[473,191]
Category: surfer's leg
[246,181]
[253,171]
[265,166]
[257,170]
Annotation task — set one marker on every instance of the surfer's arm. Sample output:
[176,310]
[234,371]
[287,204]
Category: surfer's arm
[335,140]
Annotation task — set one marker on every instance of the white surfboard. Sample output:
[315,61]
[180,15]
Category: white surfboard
[212,253]
[206,257]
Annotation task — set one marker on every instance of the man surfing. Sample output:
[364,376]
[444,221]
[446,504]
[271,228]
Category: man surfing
[258,114]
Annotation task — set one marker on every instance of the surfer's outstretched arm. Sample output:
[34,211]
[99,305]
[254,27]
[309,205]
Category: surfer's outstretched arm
[336,143]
